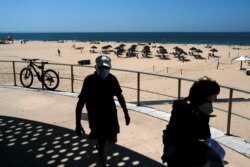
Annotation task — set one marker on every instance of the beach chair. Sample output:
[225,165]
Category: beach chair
[84,62]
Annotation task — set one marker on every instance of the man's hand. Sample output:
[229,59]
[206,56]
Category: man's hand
[127,118]
[79,130]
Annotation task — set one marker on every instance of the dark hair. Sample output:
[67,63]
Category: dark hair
[202,89]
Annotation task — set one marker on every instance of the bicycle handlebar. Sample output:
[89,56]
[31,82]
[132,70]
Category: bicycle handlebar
[30,60]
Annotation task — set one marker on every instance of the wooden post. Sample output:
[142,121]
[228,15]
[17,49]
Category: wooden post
[138,89]
[72,79]
[229,111]
[179,88]
[14,73]
[42,75]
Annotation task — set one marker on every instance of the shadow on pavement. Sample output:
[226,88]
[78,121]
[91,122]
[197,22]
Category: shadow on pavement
[26,143]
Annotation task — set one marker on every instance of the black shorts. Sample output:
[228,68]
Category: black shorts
[103,137]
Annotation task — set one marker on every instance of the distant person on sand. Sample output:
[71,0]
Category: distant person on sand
[98,93]
[188,129]
[59,52]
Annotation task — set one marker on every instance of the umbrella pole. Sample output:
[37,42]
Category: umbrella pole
[240,65]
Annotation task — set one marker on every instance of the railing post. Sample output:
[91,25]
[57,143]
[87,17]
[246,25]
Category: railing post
[72,79]
[138,89]
[229,111]
[179,88]
[14,72]
[42,76]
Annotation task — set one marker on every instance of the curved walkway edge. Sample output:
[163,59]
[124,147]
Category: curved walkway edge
[235,143]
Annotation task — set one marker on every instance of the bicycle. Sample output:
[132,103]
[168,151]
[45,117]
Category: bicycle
[49,78]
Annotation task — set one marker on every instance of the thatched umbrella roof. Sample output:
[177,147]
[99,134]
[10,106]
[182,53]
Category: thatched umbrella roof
[160,47]
[213,50]
[199,51]
[118,47]
[122,45]
[79,48]
[105,47]
[193,49]
[177,48]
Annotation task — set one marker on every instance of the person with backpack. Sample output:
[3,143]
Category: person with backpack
[186,134]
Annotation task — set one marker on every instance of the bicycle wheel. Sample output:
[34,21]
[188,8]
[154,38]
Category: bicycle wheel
[51,79]
[26,77]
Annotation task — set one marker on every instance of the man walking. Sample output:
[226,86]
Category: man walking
[98,93]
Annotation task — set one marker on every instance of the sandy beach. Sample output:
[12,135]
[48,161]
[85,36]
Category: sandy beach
[221,68]
[228,72]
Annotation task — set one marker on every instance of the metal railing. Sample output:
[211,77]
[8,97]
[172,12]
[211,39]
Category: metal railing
[138,81]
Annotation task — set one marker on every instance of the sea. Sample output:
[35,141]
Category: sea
[223,38]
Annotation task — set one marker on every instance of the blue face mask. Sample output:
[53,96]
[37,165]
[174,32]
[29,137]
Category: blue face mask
[103,73]
[206,108]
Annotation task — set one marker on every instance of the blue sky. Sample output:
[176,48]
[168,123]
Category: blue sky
[125,16]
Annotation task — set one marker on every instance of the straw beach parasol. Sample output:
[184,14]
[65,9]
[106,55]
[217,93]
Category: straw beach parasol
[213,50]
[79,48]
[193,49]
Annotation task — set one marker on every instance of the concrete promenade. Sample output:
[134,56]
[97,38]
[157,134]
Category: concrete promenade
[37,129]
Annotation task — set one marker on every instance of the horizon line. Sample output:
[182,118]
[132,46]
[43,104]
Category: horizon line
[125,32]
